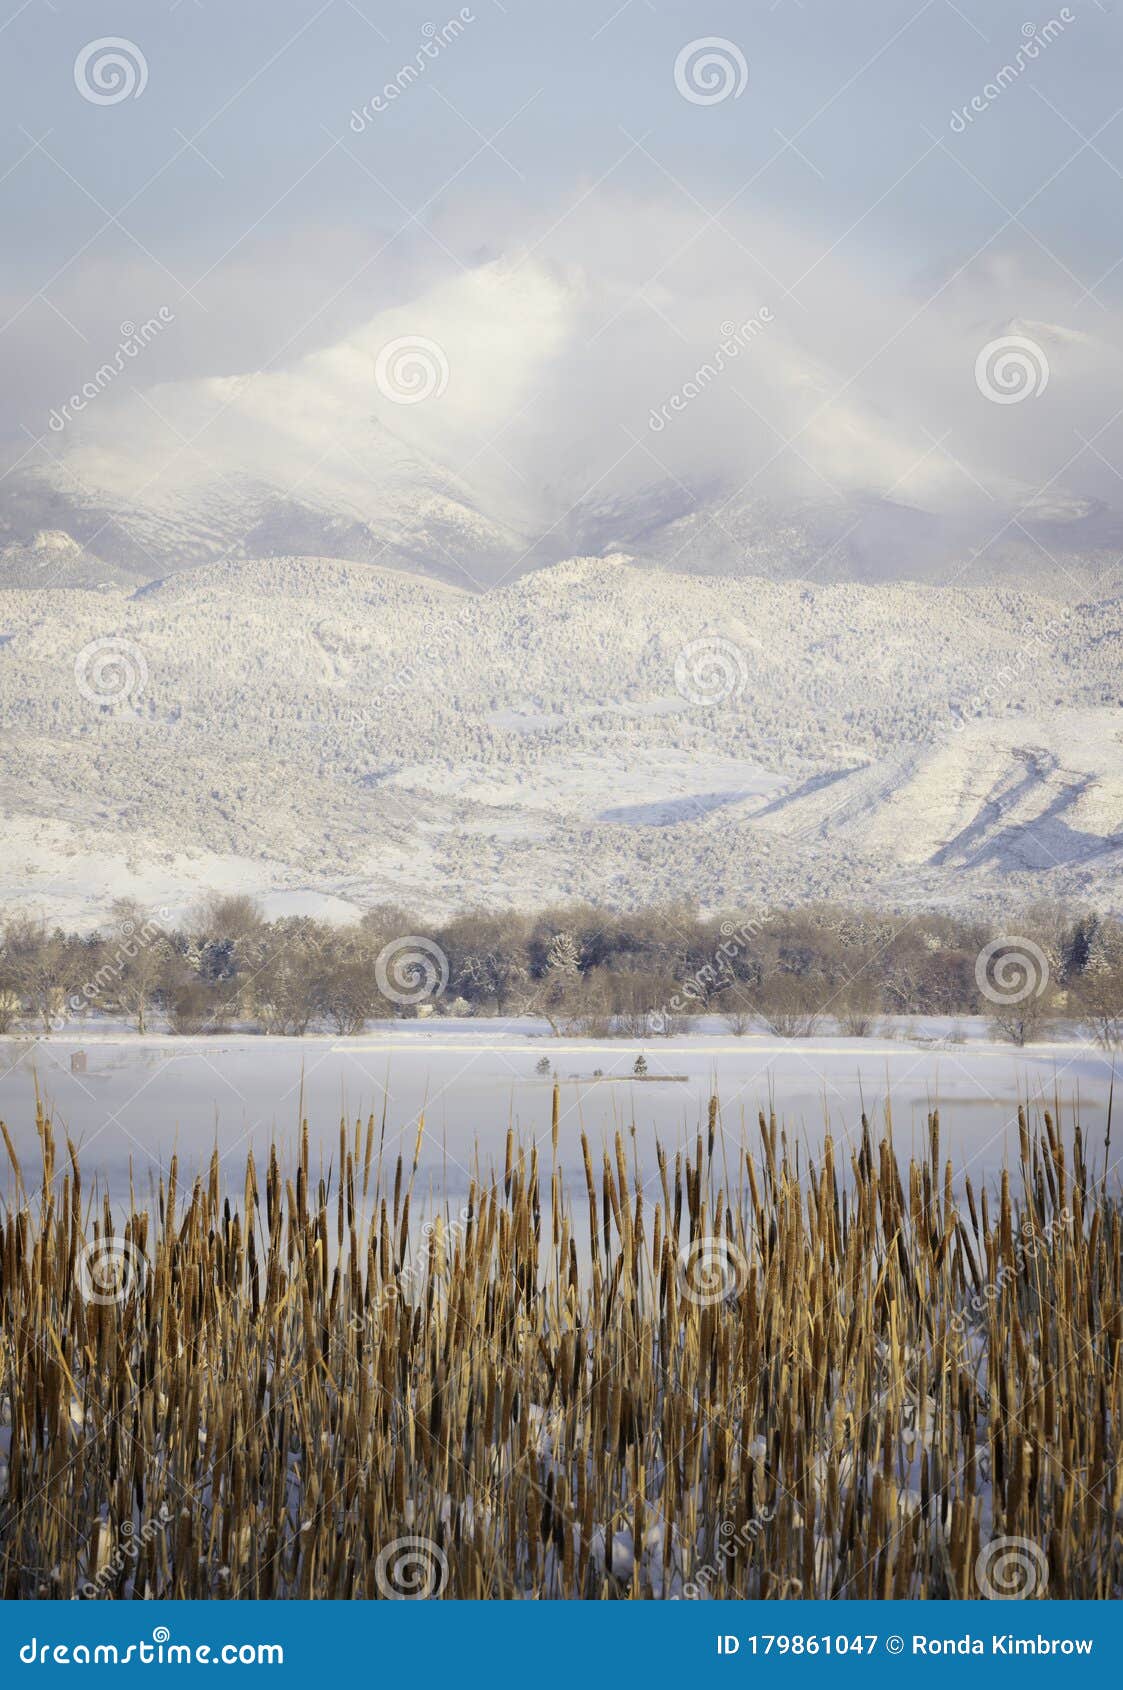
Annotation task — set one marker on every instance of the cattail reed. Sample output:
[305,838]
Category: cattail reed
[747,1377]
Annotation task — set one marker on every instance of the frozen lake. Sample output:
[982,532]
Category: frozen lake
[139,1098]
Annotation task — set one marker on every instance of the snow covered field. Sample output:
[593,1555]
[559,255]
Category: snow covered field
[141,1097]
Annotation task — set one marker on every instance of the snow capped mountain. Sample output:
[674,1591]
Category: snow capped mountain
[323,455]
[324,731]
[244,641]
[515,416]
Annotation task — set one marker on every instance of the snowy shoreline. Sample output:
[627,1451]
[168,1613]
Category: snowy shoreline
[135,1100]
[897,1036]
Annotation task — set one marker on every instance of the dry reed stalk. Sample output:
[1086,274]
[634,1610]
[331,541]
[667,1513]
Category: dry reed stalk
[784,1379]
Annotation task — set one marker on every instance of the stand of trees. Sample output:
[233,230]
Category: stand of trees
[586,970]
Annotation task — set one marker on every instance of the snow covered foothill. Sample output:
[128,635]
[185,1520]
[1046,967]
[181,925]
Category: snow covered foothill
[307,729]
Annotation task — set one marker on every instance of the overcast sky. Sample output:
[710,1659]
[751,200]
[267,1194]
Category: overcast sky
[235,186]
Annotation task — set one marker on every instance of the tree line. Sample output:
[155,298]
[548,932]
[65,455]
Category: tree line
[587,971]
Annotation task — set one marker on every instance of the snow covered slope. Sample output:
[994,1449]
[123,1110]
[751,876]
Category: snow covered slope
[492,425]
[324,731]
[335,452]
